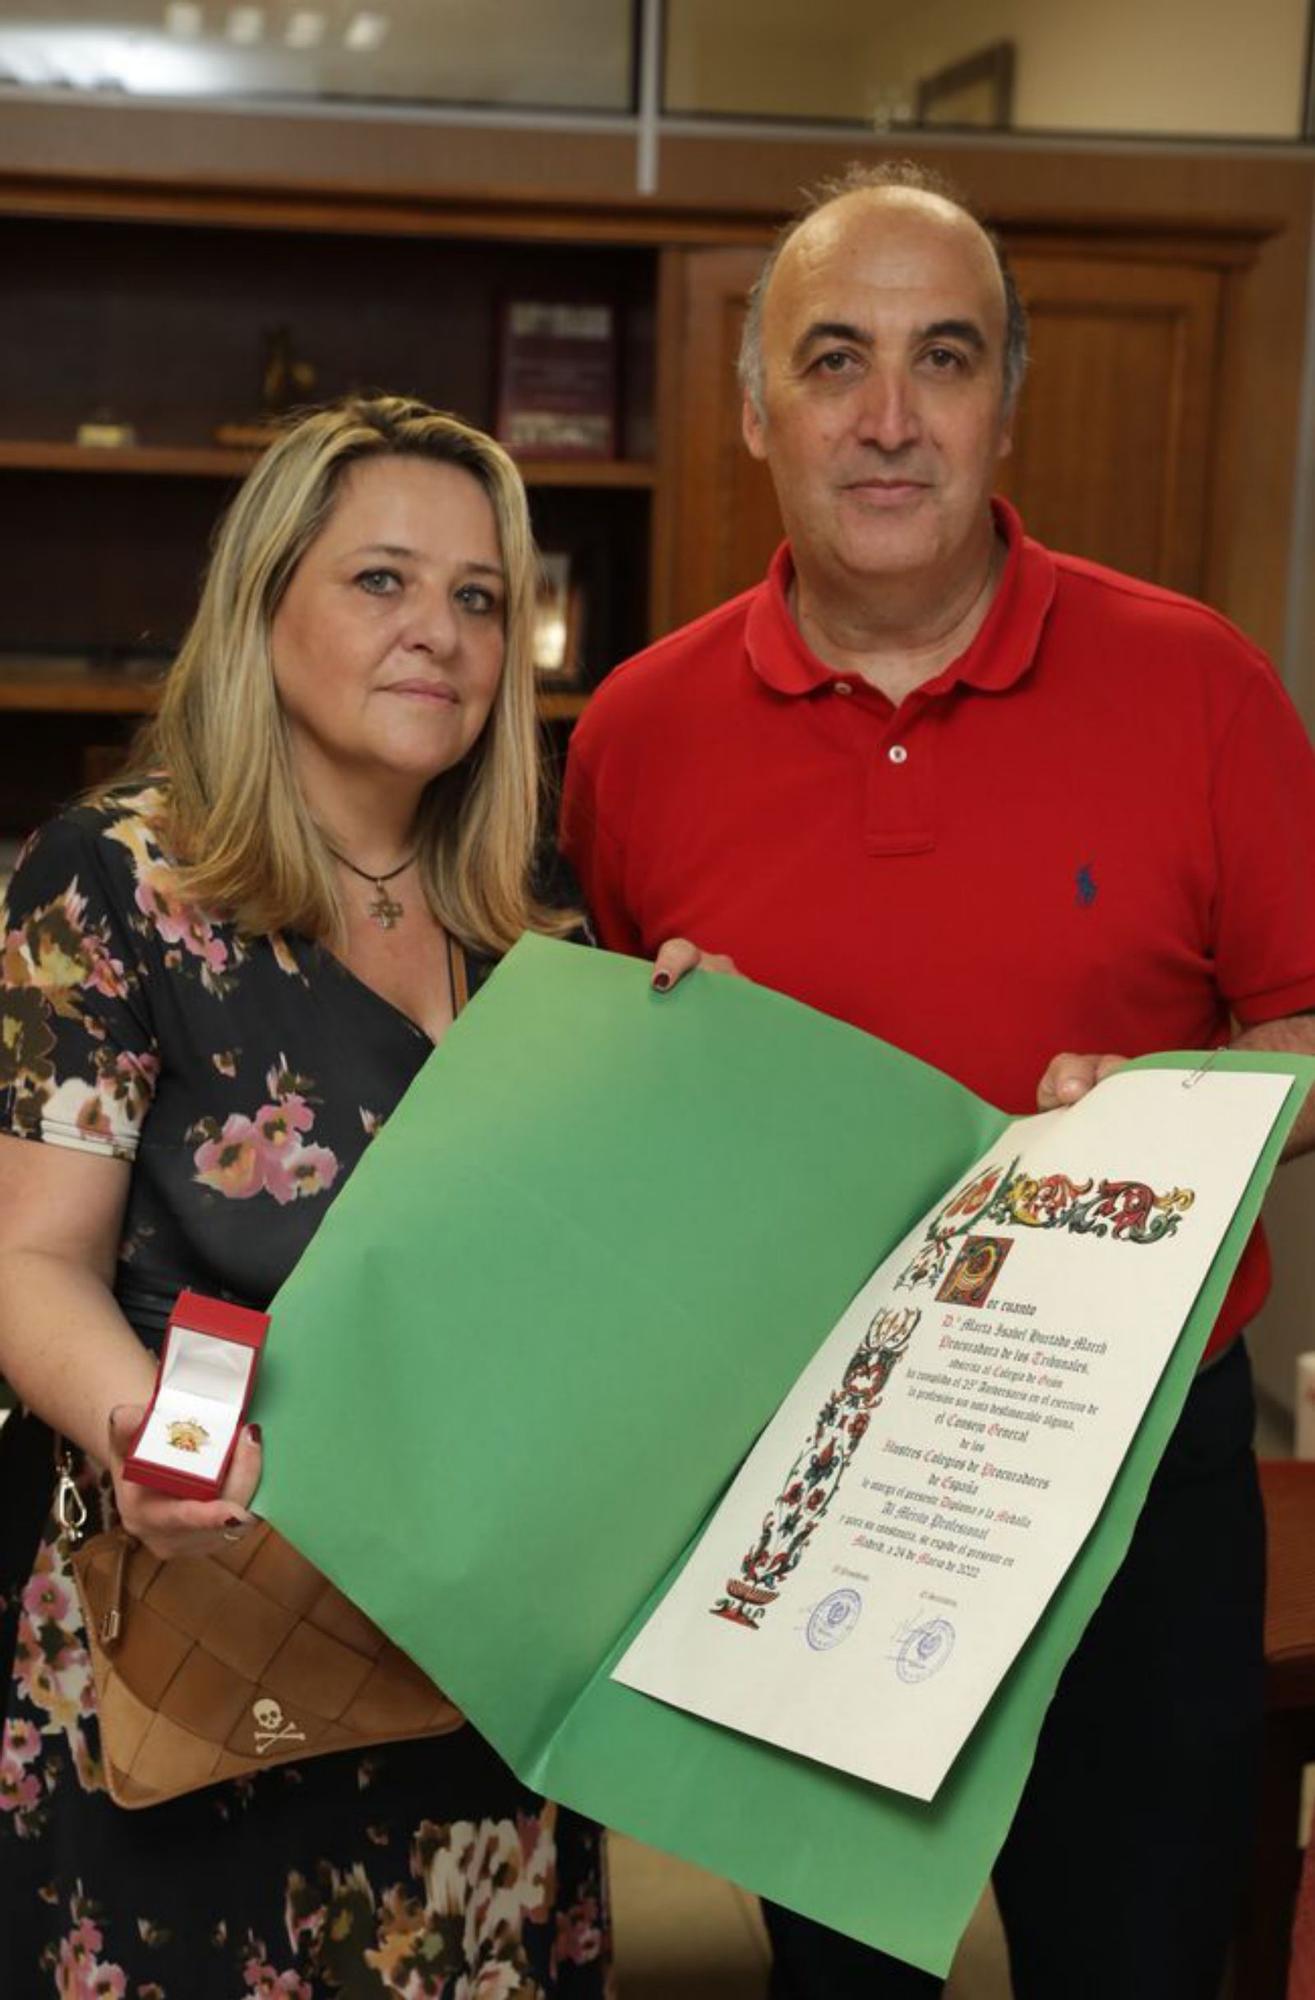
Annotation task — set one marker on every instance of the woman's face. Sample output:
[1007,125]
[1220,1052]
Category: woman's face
[388,642]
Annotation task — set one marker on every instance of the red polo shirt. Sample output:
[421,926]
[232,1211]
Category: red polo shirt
[1094,831]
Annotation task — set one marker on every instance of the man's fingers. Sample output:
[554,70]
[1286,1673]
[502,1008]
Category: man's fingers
[1070,1077]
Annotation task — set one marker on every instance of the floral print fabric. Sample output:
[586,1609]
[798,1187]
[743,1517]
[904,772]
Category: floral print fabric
[241,1079]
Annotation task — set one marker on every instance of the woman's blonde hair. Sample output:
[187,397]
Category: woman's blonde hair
[236,820]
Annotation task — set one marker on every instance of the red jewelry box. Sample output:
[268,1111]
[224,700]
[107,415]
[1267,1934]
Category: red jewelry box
[202,1388]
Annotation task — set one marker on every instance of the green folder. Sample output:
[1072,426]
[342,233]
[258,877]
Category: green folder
[536,1334]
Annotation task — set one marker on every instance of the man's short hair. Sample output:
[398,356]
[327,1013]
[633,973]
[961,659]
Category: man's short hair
[856,179]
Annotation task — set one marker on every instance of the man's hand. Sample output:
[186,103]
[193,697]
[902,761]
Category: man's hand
[1070,1077]
[678,956]
[169,1527]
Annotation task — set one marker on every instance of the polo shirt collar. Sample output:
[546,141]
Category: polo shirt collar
[999,655]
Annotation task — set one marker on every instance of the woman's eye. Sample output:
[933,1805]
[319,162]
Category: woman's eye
[474,597]
[379,582]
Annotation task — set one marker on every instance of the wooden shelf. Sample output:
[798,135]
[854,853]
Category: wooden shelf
[556,705]
[73,688]
[209,461]
[587,472]
[189,461]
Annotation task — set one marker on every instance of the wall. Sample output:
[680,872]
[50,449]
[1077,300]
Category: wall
[1184,66]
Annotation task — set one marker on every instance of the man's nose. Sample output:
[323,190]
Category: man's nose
[889,415]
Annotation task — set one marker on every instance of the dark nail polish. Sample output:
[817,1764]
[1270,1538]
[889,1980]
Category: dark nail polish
[253,1432]
[662,980]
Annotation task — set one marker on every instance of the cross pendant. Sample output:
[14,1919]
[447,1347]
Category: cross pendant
[384,910]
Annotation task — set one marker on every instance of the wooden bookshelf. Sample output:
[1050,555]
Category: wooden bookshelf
[78,687]
[202,461]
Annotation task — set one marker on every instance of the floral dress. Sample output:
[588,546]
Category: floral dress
[243,1079]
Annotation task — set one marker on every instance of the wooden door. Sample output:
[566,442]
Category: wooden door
[1114,442]
[720,515]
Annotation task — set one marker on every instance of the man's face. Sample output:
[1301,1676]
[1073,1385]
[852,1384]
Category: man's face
[883,416]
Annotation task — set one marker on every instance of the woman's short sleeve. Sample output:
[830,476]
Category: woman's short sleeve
[78,1059]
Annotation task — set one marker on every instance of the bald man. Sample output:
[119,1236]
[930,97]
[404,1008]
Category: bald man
[989,803]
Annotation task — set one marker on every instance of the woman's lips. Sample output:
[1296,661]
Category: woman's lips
[422,690]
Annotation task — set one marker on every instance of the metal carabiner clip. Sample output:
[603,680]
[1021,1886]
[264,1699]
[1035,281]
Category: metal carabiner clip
[70,1507]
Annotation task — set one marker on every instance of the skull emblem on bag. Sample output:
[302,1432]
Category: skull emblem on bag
[272,1727]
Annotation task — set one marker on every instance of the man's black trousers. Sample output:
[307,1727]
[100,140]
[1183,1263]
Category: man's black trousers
[1120,1875]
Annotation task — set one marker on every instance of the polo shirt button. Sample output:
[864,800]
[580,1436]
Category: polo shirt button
[843,687]
[898,754]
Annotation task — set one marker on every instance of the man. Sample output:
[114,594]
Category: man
[989,803]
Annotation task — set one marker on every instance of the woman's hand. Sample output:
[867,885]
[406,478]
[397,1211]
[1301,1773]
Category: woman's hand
[678,956]
[169,1527]
[1070,1077]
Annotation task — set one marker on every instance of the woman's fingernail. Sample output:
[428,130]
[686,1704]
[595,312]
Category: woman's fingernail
[235,1521]
[253,1432]
[662,980]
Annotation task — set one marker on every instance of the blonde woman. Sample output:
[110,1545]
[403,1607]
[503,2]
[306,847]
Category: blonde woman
[219,978]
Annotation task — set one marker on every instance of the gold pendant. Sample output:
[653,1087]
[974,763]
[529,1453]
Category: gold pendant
[385,909]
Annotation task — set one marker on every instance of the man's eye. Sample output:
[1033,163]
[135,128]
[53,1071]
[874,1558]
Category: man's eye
[379,582]
[945,360]
[836,361]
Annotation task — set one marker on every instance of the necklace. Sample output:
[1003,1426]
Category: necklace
[382,909]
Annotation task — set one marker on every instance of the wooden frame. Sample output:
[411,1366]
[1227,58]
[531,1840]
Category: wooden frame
[558,637]
[949,96]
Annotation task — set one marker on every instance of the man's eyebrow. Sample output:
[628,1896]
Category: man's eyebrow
[829,329]
[966,330]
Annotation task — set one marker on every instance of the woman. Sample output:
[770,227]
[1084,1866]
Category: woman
[219,978]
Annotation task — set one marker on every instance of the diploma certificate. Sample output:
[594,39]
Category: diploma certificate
[896,1532]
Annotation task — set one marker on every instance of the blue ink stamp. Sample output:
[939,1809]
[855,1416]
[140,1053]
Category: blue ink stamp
[833,1619]
[924,1651]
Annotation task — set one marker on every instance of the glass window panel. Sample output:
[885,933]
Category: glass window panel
[562,55]
[1204,68]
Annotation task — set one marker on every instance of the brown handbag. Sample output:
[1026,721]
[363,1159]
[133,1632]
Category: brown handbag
[211,1667]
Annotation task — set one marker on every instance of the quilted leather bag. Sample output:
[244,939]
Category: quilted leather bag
[210,1667]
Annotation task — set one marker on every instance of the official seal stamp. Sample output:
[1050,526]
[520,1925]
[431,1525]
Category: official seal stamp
[924,1651]
[833,1619]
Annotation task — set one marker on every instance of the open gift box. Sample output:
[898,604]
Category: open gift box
[207,1370]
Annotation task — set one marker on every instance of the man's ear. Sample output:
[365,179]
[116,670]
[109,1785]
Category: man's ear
[1006,444]
[753,428]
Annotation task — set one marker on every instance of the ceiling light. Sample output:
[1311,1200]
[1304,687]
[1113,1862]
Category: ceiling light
[365,32]
[246,25]
[184,18]
[305,28]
